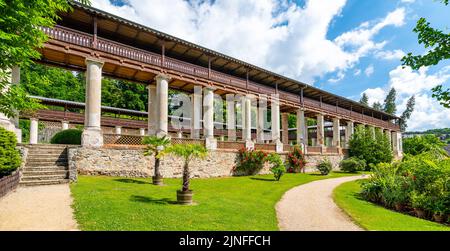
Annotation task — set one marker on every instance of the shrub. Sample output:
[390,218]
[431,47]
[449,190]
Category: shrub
[352,165]
[421,144]
[249,162]
[324,167]
[9,156]
[69,137]
[372,151]
[296,160]
[277,168]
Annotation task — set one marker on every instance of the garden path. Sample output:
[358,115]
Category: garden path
[310,207]
[38,208]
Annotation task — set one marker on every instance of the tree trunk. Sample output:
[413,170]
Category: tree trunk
[186,177]
[157,173]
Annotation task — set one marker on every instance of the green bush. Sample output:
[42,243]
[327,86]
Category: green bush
[371,150]
[296,160]
[420,144]
[324,167]
[67,137]
[277,166]
[9,156]
[249,162]
[352,165]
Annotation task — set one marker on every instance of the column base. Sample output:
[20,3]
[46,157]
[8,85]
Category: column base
[211,143]
[249,145]
[92,137]
[278,146]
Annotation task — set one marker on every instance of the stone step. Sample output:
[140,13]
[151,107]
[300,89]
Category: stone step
[43,156]
[46,163]
[43,182]
[45,168]
[49,151]
[45,159]
[45,177]
[47,148]
[27,173]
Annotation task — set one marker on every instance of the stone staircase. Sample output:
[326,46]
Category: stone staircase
[46,165]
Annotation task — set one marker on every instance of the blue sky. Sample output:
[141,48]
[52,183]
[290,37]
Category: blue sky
[343,46]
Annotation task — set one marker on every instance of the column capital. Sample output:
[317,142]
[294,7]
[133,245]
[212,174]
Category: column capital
[162,76]
[34,119]
[151,86]
[96,61]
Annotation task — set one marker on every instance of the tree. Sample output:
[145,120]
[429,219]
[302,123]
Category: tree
[439,44]
[377,106]
[154,147]
[389,102]
[407,113]
[371,149]
[20,36]
[420,144]
[187,152]
[364,99]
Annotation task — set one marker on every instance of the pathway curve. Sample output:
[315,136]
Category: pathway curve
[310,207]
[38,208]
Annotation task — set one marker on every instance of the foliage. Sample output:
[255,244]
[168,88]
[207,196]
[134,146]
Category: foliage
[9,156]
[324,166]
[296,160]
[364,99]
[155,145]
[352,165]
[372,217]
[420,144]
[377,106]
[372,150]
[437,43]
[187,152]
[277,166]
[407,113]
[249,162]
[389,102]
[69,137]
[421,181]
[24,125]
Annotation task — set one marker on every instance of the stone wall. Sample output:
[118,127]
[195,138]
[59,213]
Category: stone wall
[132,163]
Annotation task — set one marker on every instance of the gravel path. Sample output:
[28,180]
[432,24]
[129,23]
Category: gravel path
[310,207]
[37,208]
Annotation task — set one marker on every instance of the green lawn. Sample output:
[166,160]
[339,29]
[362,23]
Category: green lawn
[232,203]
[373,217]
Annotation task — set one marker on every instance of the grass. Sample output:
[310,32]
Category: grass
[231,203]
[373,217]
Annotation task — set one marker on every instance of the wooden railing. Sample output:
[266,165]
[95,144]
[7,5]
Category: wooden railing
[101,44]
[230,145]
[314,149]
[265,147]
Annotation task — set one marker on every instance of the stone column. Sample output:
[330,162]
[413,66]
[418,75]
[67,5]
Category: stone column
[118,130]
[285,128]
[162,97]
[336,133]
[262,111]
[389,136]
[208,119]
[180,134]
[247,122]
[142,131]
[372,131]
[320,131]
[275,116]
[301,129]
[348,133]
[396,144]
[65,125]
[231,117]
[92,133]
[152,109]
[34,127]
[196,112]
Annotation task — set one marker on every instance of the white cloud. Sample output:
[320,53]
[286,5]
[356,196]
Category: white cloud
[340,75]
[390,55]
[428,113]
[357,72]
[369,70]
[407,1]
[278,35]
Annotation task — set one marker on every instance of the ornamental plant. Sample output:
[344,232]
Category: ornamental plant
[324,166]
[277,166]
[9,155]
[352,165]
[296,160]
[154,146]
[249,162]
[67,137]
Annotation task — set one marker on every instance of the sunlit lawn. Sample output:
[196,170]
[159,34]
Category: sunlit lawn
[373,217]
[232,203]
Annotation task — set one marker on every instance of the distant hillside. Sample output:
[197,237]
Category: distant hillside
[436,132]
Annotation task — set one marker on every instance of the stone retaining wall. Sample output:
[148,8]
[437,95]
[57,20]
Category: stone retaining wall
[132,163]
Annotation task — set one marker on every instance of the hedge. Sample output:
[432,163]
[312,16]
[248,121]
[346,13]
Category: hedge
[9,156]
[67,137]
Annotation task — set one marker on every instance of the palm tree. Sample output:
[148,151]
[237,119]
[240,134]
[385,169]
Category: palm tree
[155,145]
[187,152]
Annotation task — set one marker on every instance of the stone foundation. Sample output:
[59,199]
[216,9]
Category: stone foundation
[133,163]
